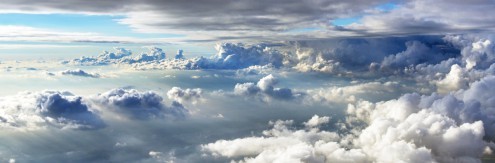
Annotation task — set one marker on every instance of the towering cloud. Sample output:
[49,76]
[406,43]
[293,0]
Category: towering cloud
[179,54]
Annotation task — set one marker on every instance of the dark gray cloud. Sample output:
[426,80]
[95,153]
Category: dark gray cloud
[420,16]
[79,72]
[205,14]
[210,17]
[212,20]
[140,105]
[34,110]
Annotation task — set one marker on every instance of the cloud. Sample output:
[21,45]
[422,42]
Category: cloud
[200,23]
[79,72]
[140,105]
[20,33]
[121,56]
[103,59]
[256,70]
[229,56]
[415,53]
[284,144]
[452,128]
[155,54]
[284,20]
[179,54]
[454,80]
[420,17]
[265,89]
[375,91]
[470,110]
[185,95]
[34,110]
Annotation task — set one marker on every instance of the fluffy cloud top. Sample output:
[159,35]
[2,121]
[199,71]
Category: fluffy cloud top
[354,92]
[453,128]
[179,54]
[229,56]
[121,55]
[32,110]
[264,88]
[185,95]
[284,144]
[140,105]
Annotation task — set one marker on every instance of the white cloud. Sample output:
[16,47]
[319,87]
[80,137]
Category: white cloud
[351,93]
[282,144]
[264,89]
[413,128]
[454,80]
[185,95]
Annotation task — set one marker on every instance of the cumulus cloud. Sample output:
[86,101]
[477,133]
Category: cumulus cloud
[265,88]
[454,80]
[284,144]
[33,110]
[79,72]
[121,56]
[415,53]
[155,54]
[103,59]
[140,105]
[179,54]
[336,56]
[185,95]
[256,70]
[229,56]
[456,127]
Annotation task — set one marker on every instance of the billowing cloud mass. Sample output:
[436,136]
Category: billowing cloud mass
[390,99]
[337,81]
[34,110]
[451,128]
[140,105]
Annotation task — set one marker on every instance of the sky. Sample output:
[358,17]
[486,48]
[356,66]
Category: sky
[313,81]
